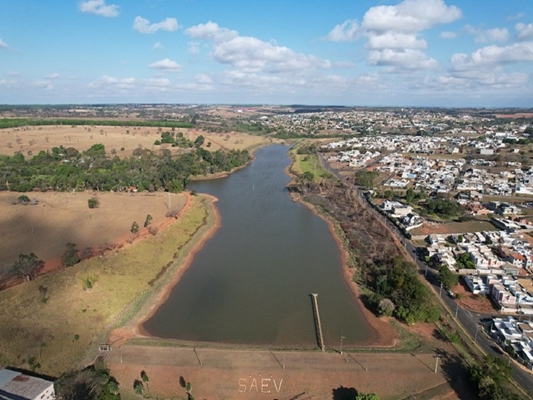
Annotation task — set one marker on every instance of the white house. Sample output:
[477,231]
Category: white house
[18,386]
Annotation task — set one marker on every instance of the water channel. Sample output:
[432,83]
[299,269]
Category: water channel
[251,282]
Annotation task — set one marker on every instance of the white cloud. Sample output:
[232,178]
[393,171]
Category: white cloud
[475,79]
[409,59]
[515,16]
[45,85]
[142,25]
[8,83]
[158,84]
[394,40]
[3,45]
[525,32]
[211,31]
[107,82]
[393,32]
[166,65]
[348,31]
[54,75]
[99,7]
[494,55]
[410,16]
[448,35]
[250,54]
[193,47]
[157,46]
[203,78]
[492,35]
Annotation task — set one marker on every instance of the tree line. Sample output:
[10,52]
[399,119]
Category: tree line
[18,122]
[65,169]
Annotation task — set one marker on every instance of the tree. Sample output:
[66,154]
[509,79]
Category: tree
[71,255]
[148,220]
[386,307]
[144,377]
[199,141]
[91,383]
[138,387]
[366,178]
[490,375]
[447,277]
[26,266]
[134,228]
[306,179]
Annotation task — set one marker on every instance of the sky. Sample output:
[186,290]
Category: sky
[423,53]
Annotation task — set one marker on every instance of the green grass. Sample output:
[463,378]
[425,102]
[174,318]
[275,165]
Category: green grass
[47,330]
[302,163]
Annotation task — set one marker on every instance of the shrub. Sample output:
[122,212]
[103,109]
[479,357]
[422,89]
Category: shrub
[71,256]
[23,199]
[93,202]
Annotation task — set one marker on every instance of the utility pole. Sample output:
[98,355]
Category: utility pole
[436,363]
[440,291]
[342,338]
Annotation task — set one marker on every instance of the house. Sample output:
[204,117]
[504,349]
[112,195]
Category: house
[401,210]
[16,385]
[476,284]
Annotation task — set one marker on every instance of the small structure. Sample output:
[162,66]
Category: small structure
[16,385]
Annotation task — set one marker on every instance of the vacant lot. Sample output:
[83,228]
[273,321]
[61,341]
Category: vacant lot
[121,141]
[453,227]
[58,218]
[54,319]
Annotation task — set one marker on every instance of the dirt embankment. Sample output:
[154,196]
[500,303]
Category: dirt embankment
[360,230]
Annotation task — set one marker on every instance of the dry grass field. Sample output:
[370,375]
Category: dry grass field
[59,218]
[57,317]
[32,139]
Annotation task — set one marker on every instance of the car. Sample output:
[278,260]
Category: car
[451,294]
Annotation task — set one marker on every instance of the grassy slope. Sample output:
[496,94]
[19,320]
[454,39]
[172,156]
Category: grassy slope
[46,330]
[306,162]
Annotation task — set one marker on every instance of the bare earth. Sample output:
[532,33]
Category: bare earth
[59,218]
[234,374]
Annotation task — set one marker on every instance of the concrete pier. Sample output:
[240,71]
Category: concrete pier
[318,324]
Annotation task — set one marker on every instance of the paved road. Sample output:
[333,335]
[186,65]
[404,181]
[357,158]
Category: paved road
[469,320]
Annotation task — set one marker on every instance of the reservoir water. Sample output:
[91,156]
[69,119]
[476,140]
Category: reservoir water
[251,282]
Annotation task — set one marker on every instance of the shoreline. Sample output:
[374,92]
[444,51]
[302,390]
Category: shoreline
[134,327]
[384,334]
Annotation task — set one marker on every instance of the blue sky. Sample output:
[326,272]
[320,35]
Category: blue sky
[370,53]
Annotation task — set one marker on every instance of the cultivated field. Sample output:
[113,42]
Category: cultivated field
[118,140]
[54,319]
[58,218]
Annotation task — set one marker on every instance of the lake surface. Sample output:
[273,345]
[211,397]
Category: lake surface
[251,282]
